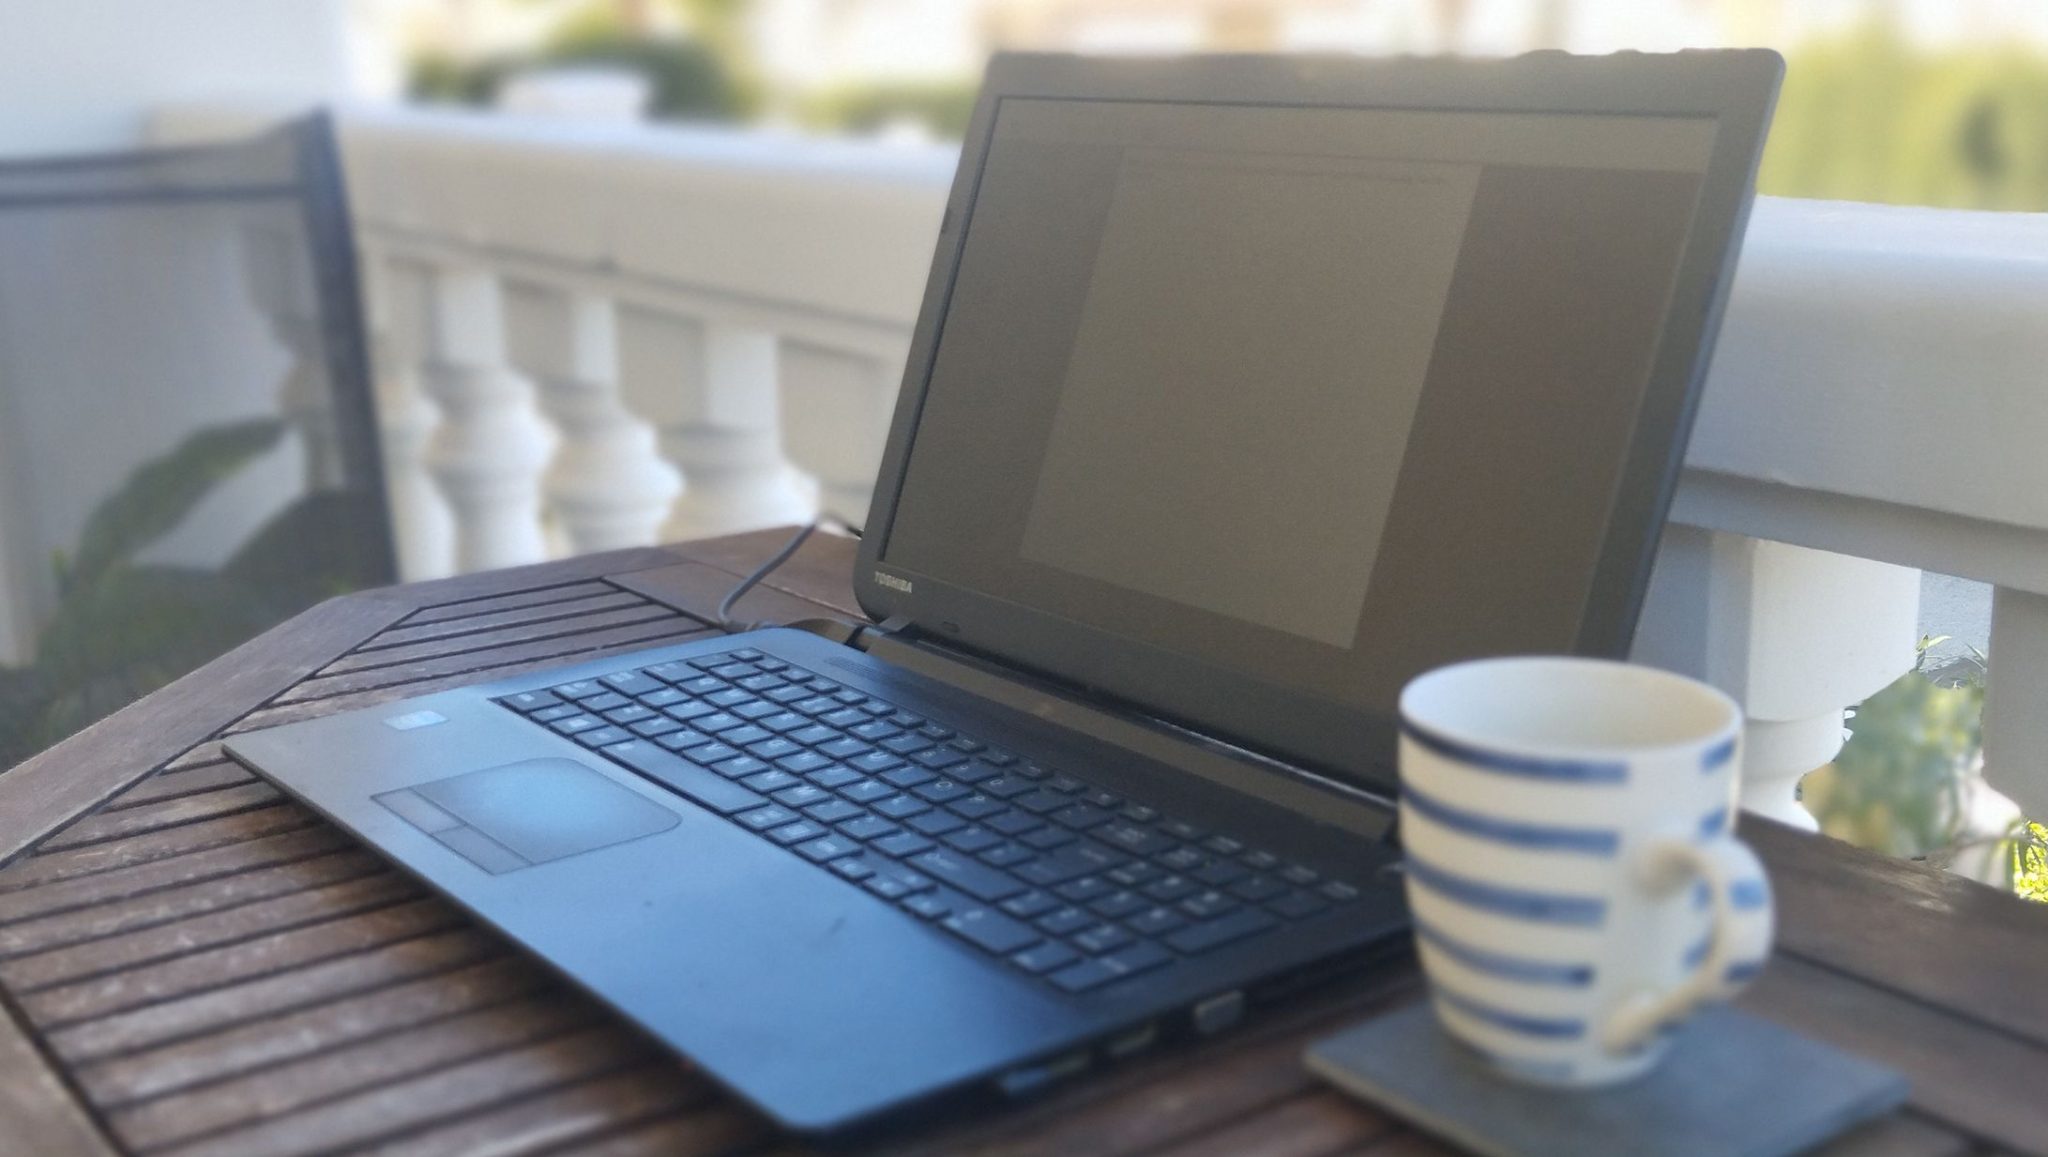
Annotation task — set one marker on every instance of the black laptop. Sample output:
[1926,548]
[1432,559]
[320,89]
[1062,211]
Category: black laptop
[1244,390]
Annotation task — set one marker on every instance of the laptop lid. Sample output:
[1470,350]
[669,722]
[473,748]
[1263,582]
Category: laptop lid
[1247,388]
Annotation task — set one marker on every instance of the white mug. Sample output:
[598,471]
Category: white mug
[1576,888]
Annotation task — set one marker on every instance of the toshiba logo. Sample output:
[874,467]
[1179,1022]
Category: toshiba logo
[893,583]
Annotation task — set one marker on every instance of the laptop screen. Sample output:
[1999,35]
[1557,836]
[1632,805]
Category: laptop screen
[1327,396]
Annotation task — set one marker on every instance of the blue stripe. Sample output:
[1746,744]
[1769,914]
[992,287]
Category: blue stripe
[1569,770]
[1748,894]
[1591,841]
[1547,907]
[1743,972]
[1714,823]
[1697,954]
[1713,758]
[1506,967]
[1535,1026]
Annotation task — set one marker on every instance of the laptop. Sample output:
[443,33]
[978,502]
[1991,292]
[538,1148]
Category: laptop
[1244,389]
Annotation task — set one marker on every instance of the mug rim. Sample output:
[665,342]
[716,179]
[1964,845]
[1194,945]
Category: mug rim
[1731,725]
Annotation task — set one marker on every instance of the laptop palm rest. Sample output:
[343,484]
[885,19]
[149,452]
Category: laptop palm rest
[520,814]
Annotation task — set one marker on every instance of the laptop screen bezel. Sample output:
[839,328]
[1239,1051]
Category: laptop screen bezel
[1735,88]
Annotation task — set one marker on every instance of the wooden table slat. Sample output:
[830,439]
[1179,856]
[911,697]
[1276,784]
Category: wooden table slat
[169,783]
[104,826]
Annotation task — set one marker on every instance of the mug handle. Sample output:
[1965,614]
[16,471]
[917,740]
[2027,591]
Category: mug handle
[1738,942]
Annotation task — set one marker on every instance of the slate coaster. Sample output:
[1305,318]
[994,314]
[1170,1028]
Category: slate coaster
[1732,1085]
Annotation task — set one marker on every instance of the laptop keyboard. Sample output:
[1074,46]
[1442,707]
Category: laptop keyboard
[1062,879]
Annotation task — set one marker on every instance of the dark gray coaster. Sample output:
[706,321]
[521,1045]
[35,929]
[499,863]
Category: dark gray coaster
[1732,1086]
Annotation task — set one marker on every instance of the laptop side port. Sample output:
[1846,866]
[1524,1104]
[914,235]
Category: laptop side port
[1025,1080]
[1216,1013]
[1133,1042]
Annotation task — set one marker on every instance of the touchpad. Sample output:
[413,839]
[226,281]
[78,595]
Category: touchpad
[530,812]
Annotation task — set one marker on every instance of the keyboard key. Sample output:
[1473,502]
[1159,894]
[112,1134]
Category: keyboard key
[1223,845]
[973,839]
[812,704]
[1203,905]
[866,791]
[834,811]
[908,777]
[907,719]
[1138,813]
[1007,787]
[1181,830]
[874,762]
[1136,958]
[1101,798]
[710,753]
[1119,904]
[1066,921]
[1064,784]
[701,685]
[977,806]
[991,931]
[1155,921]
[977,880]
[827,848]
[998,757]
[804,762]
[902,807]
[874,731]
[1222,930]
[936,823]
[848,697]
[1170,888]
[558,711]
[1080,817]
[844,748]
[814,735]
[1299,875]
[664,697]
[760,683]
[904,743]
[774,779]
[802,795]
[741,736]
[939,791]
[853,868]
[796,833]
[1261,861]
[937,733]
[1084,888]
[938,758]
[603,736]
[1131,838]
[739,766]
[735,671]
[733,697]
[693,711]
[1006,855]
[783,721]
[1221,872]
[867,827]
[630,683]
[1040,802]
[657,726]
[772,749]
[928,905]
[526,702]
[970,746]
[671,672]
[773,816]
[575,723]
[1064,864]
[746,654]
[1339,891]
[877,707]
[1101,938]
[1257,888]
[1084,976]
[887,887]
[580,690]
[1181,859]
[1032,771]
[1296,905]
[609,701]
[1135,874]
[680,740]
[973,771]
[844,717]
[1012,823]
[699,784]
[1030,904]
[1049,837]
[904,844]
[835,776]
[1046,957]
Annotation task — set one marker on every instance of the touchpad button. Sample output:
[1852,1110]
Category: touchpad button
[545,809]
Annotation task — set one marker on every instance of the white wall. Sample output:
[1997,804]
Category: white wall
[77,75]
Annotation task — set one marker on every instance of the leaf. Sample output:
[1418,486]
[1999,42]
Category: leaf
[146,618]
[162,492]
[314,550]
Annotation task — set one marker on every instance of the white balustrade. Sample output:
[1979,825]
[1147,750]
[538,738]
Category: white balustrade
[490,447]
[280,285]
[1876,404]
[607,484]
[394,310]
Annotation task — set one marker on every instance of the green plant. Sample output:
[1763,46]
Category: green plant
[123,627]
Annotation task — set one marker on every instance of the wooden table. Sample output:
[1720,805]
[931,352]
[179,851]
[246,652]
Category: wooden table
[192,964]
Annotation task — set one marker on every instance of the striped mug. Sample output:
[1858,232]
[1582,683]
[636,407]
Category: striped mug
[1575,883]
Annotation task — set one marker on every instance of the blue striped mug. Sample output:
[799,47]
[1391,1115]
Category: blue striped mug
[1571,867]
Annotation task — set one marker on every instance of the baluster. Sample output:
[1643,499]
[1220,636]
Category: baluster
[279,283]
[491,446]
[836,407]
[1795,635]
[710,390]
[422,527]
[2015,727]
[608,485]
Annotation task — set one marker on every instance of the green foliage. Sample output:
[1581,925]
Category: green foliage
[124,628]
[1897,784]
[1867,117]
[2029,864]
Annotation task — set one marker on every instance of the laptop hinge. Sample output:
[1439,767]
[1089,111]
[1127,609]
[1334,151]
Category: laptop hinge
[897,641]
